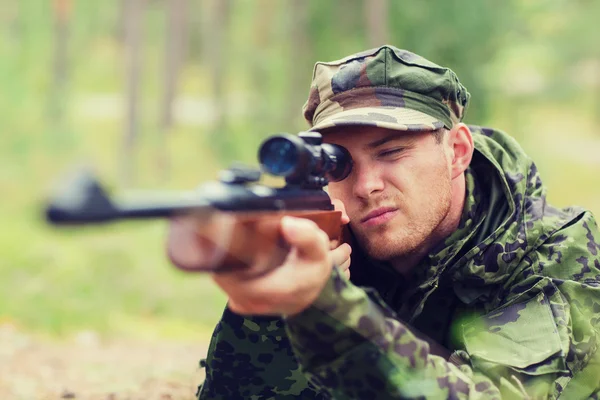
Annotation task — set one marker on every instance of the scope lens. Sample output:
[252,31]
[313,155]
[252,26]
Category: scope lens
[279,156]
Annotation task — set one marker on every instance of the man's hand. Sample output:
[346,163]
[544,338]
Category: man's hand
[284,289]
[291,287]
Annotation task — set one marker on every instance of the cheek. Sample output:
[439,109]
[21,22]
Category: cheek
[337,190]
[417,183]
[431,170]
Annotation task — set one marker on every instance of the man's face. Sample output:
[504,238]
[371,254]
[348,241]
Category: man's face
[399,190]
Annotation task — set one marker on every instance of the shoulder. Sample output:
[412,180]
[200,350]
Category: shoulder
[499,146]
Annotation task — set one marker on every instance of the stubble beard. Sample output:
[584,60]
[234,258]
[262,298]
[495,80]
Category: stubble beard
[407,235]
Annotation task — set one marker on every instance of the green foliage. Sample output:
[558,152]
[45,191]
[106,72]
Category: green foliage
[116,279]
[336,28]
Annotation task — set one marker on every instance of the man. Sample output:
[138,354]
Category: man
[464,282]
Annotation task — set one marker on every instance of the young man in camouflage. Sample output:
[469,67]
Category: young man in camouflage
[464,282]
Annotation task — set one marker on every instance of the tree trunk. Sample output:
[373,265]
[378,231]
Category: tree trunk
[133,68]
[597,90]
[13,19]
[61,11]
[262,24]
[119,26]
[175,46]
[218,41]
[174,55]
[376,14]
[299,68]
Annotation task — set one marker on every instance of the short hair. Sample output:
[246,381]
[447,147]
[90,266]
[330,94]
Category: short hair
[439,135]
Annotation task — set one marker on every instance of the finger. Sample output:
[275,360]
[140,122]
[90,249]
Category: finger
[345,268]
[182,249]
[342,258]
[310,241]
[344,265]
[194,245]
[334,244]
[339,206]
[341,255]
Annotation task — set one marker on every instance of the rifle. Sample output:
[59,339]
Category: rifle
[253,210]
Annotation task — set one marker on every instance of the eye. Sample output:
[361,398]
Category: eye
[390,152]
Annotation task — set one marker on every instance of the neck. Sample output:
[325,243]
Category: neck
[447,226]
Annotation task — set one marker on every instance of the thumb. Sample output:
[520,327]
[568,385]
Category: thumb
[306,237]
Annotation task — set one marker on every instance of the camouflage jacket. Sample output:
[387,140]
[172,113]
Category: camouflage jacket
[513,295]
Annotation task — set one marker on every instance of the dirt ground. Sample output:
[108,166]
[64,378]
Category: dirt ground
[88,367]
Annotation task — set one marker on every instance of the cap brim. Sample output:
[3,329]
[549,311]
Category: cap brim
[401,119]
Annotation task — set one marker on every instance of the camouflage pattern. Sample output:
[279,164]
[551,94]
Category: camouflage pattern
[514,294]
[251,358]
[386,87]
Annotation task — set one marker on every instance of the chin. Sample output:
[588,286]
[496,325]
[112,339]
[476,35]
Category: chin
[387,245]
[382,248]
[388,253]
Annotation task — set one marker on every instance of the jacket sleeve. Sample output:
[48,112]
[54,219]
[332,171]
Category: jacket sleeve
[251,358]
[540,341]
[349,347]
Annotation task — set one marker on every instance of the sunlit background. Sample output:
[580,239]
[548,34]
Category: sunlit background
[157,94]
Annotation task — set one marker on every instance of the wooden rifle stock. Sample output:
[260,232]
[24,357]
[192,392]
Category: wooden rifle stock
[234,241]
[238,220]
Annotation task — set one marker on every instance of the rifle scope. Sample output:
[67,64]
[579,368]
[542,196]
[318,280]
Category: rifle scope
[303,158]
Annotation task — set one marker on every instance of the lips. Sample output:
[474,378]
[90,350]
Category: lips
[377,213]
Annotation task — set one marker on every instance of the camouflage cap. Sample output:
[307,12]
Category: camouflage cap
[385,87]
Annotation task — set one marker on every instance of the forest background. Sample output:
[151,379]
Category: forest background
[157,94]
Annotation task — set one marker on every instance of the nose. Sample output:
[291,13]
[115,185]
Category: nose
[367,181]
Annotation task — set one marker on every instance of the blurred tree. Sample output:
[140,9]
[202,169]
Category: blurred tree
[133,15]
[175,46]
[300,54]
[197,30]
[376,17]
[336,28]
[62,12]
[216,39]
[119,27]
[11,13]
[265,15]
[174,56]
[573,49]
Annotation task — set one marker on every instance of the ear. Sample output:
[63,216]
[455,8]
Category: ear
[460,146]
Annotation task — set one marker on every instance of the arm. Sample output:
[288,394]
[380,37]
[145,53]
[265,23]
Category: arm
[251,357]
[349,347]
[351,356]
[540,340]
[306,279]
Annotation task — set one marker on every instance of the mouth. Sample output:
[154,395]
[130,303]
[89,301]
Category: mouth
[379,216]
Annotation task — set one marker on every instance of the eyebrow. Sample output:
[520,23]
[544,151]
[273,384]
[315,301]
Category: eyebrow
[376,143]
